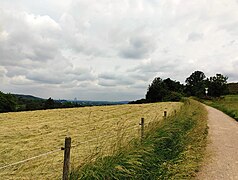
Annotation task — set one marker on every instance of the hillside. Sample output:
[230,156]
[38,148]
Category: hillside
[20,102]
[29,97]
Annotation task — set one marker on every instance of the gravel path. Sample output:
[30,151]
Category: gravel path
[222,160]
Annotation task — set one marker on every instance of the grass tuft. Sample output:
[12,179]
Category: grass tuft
[172,150]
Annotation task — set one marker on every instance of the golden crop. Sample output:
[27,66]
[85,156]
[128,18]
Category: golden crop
[94,130]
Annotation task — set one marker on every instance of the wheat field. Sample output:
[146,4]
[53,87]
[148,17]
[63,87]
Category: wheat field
[94,131]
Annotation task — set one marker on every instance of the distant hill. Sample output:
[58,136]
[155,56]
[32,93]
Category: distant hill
[233,88]
[81,102]
[22,102]
[29,97]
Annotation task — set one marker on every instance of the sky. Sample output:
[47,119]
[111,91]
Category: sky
[110,49]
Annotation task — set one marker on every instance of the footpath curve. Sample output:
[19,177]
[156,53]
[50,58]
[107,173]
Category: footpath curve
[222,160]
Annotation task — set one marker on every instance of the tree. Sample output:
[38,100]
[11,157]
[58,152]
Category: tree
[49,103]
[218,85]
[164,90]
[195,84]
[156,90]
[7,102]
[233,88]
[174,86]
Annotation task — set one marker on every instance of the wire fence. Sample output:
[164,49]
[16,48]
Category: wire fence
[118,135]
[29,159]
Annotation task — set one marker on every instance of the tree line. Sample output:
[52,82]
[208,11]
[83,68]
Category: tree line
[159,90]
[172,90]
[12,103]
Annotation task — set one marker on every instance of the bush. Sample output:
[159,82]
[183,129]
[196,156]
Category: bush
[173,96]
[140,101]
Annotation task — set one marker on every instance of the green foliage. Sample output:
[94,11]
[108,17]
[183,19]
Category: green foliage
[232,88]
[195,84]
[173,86]
[10,103]
[7,102]
[228,104]
[172,149]
[173,96]
[49,103]
[195,78]
[156,91]
[164,90]
[140,101]
[218,85]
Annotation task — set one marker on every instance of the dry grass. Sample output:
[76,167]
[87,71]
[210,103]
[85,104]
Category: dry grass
[27,134]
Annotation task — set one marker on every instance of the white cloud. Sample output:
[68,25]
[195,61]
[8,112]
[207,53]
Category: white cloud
[3,71]
[111,50]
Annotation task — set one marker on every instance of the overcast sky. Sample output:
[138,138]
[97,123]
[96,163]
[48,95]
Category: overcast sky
[110,49]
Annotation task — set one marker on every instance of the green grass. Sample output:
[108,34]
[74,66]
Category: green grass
[171,149]
[228,104]
[93,130]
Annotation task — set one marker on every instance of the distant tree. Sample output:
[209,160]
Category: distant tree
[140,101]
[49,103]
[7,102]
[233,88]
[164,90]
[156,90]
[69,104]
[218,85]
[174,86]
[195,84]
[173,96]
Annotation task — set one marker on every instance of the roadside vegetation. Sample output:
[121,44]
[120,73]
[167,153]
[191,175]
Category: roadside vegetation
[228,104]
[94,131]
[171,90]
[172,149]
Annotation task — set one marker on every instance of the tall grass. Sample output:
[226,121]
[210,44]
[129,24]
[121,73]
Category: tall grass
[93,130]
[171,149]
[228,104]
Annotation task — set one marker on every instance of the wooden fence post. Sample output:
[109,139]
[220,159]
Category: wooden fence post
[66,149]
[142,128]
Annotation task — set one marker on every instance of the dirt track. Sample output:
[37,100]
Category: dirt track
[222,160]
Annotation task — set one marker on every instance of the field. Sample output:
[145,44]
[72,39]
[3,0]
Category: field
[171,149]
[228,104]
[94,130]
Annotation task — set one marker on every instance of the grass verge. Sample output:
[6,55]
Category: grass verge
[228,104]
[171,149]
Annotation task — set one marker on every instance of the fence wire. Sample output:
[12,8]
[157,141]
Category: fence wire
[118,135]
[31,158]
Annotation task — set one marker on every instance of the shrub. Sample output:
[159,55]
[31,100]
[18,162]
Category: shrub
[173,96]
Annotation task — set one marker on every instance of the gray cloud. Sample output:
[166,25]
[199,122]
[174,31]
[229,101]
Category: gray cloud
[28,39]
[138,47]
[112,79]
[195,36]
[112,50]
[231,28]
